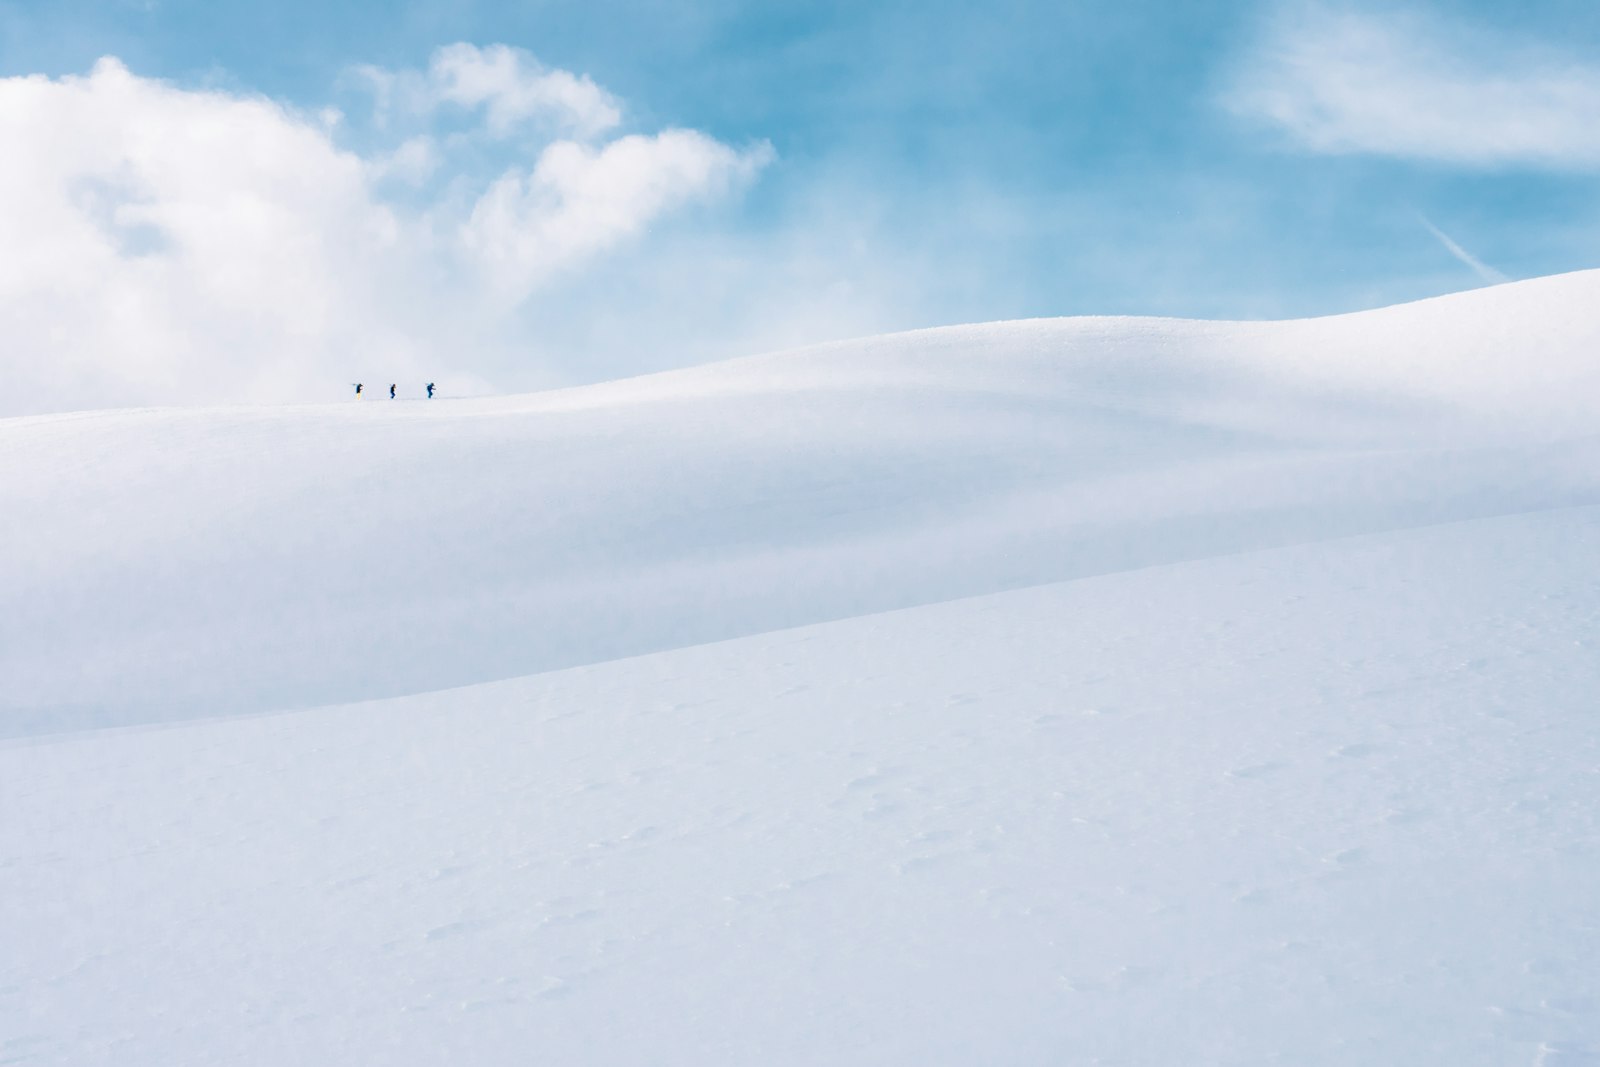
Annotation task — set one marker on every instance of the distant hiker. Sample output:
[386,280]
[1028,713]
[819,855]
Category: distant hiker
[358,389]
[391,391]
[430,390]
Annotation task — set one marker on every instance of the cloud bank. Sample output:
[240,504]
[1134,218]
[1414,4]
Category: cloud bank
[1410,86]
[165,244]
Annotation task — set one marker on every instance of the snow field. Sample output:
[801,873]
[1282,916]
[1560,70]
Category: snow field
[1087,691]
[1332,804]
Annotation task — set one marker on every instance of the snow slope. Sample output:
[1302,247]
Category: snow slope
[1265,733]
[1330,804]
[168,564]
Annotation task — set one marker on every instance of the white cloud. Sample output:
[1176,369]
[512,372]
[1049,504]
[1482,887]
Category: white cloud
[171,245]
[514,90]
[578,200]
[1414,87]
[413,162]
[160,241]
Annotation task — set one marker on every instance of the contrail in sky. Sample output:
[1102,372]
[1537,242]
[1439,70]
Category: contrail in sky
[1478,266]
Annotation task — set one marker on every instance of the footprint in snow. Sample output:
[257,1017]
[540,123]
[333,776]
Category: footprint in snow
[1255,770]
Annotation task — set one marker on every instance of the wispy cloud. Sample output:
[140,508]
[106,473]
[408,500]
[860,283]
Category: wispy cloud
[1472,262]
[577,201]
[513,89]
[1413,86]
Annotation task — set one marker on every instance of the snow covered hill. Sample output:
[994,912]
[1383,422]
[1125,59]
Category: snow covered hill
[175,563]
[1060,692]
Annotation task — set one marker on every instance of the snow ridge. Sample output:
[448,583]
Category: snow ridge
[173,563]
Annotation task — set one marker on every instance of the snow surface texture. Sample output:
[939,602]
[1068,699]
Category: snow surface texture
[1217,802]
[1333,804]
[168,564]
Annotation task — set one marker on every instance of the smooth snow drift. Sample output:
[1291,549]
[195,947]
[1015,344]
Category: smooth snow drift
[168,564]
[1266,733]
[1334,804]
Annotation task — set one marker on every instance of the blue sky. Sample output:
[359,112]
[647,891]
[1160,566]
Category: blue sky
[928,163]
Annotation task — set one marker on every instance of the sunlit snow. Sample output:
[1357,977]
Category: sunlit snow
[1076,691]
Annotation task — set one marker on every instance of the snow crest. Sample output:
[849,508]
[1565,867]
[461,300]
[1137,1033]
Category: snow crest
[176,563]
